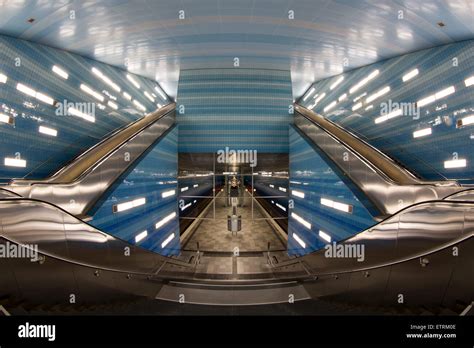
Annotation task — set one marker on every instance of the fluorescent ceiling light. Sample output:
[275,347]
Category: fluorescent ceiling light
[360,97]
[297,193]
[364,81]
[281,207]
[129,205]
[195,185]
[139,105]
[57,70]
[272,186]
[438,95]
[167,240]
[299,240]
[31,92]
[112,105]
[459,163]
[127,96]
[91,92]
[465,121]
[168,193]
[357,106]
[336,205]
[133,81]
[141,236]
[318,99]
[337,82]
[48,131]
[342,97]
[468,82]
[369,107]
[330,106]
[184,188]
[410,75]
[14,162]
[44,98]
[106,79]
[282,189]
[389,116]
[325,236]
[422,132]
[149,96]
[165,220]
[3,78]
[75,112]
[301,220]
[186,206]
[159,106]
[378,94]
[6,119]
[311,91]
[161,93]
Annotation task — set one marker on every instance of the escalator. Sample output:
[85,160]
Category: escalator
[79,184]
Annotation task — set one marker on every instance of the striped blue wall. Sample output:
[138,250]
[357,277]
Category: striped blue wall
[30,64]
[439,68]
[313,176]
[239,108]
[154,174]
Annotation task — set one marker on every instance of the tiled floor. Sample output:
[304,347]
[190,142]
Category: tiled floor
[213,235]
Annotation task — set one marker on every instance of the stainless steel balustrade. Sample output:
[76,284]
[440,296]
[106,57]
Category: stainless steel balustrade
[81,183]
[387,185]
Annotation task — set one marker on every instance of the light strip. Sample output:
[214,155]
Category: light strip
[6,119]
[335,84]
[168,193]
[459,163]
[161,93]
[127,96]
[330,106]
[139,105]
[129,205]
[280,206]
[336,205]
[112,105]
[184,189]
[364,81]
[297,193]
[195,185]
[141,236]
[149,96]
[422,132]
[371,106]
[159,106]
[360,97]
[410,75]
[389,116]
[48,131]
[465,121]
[165,220]
[91,92]
[81,114]
[31,92]
[318,99]
[167,240]
[357,106]
[272,186]
[282,189]
[3,78]
[186,206]
[311,91]
[133,81]
[299,240]
[378,94]
[106,79]
[14,162]
[342,97]
[469,81]
[301,220]
[438,95]
[57,70]
[325,236]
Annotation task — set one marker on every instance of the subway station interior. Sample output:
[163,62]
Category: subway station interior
[248,157]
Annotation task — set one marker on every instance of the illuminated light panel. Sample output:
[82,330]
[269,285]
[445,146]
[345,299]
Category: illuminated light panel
[165,220]
[129,205]
[149,96]
[184,189]
[330,106]
[48,131]
[61,72]
[127,96]
[469,81]
[133,81]
[357,106]
[336,83]
[272,186]
[159,106]
[282,189]
[161,93]
[465,121]
[441,94]
[195,185]
[422,132]
[31,92]
[299,240]
[91,92]
[141,236]
[364,81]
[325,236]
[6,119]
[360,97]
[184,207]
[311,91]
[107,80]
[369,107]
[410,75]
[3,78]
[458,163]
[378,94]
[301,220]
[81,114]
[139,105]
[280,206]
[167,240]
[112,105]
[168,193]
[342,97]
[336,205]
[388,116]
[297,193]
[14,162]
[44,98]
[318,99]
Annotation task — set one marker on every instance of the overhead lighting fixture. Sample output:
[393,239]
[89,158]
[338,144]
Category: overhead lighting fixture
[168,193]
[336,83]
[184,207]
[48,131]
[91,92]
[410,75]
[364,81]
[360,97]
[458,163]
[325,236]
[195,185]
[388,116]
[127,96]
[465,121]
[161,93]
[3,78]
[57,70]
[184,188]
[280,206]
[378,94]
[422,132]
[342,97]
[7,119]
[44,98]
[165,220]
[75,112]
[167,240]
[301,220]
[369,107]
[133,81]
[139,237]
[112,105]
[297,193]
[357,106]
[282,189]
[129,205]
[318,99]
[346,208]
[311,91]
[159,106]
[439,95]
[330,106]
[299,240]
[14,162]
[272,186]
[149,96]
[32,93]
[107,80]
[139,105]
[468,82]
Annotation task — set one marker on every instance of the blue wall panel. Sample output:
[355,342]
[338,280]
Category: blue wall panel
[311,175]
[439,68]
[31,65]
[155,173]
[239,108]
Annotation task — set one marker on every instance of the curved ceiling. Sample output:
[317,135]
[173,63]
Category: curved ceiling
[325,38]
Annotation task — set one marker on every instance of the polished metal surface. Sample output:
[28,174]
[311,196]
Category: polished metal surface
[80,195]
[387,195]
